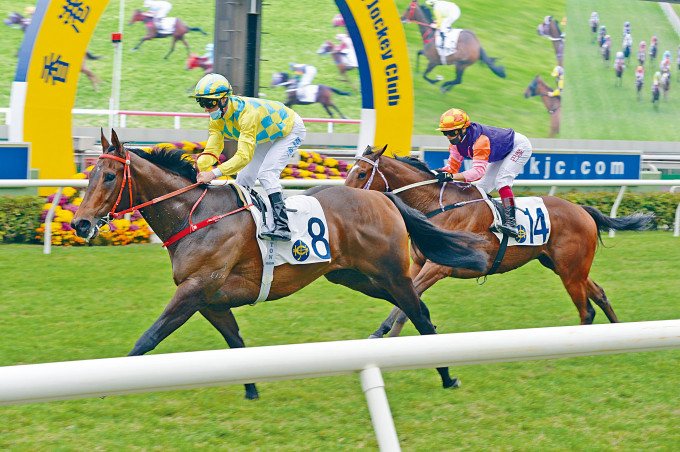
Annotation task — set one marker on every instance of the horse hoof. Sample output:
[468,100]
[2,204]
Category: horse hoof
[455,383]
[375,336]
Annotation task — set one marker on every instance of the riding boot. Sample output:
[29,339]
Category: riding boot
[510,225]
[443,37]
[280,232]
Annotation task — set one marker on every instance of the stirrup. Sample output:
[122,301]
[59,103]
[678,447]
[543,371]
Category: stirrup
[505,229]
[276,235]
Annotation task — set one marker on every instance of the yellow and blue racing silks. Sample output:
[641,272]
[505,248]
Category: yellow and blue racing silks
[250,121]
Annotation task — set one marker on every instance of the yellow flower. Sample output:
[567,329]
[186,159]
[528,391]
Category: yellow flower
[56,226]
[89,168]
[79,176]
[77,201]
[330,162]
[68,192]
[47,206]
[64,216]
[122,223]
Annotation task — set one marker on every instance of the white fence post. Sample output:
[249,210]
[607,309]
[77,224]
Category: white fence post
[374,387]
[47,246]
[615,207]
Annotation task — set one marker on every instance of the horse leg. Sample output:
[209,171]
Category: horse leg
[141,41]
[596,293]
[402,289]
[450,84]
[325,106]
[424,277]
[183,305]
[577,284]
[225,323]
[427,71]
[339,112]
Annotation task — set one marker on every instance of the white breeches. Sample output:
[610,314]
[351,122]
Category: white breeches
[503,172]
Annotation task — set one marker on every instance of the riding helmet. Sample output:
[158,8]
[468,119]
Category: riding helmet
[453,119]
[212,86]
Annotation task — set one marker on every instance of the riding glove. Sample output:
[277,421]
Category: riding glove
[444,176]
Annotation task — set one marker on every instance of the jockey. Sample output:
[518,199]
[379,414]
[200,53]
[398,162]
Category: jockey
[558,73]
[209,54]
[626,28]
[304,74]
[639,75]
[665,64]
[594,21]
[627,41]
[657,78]
[445,14]
[160,9]
[619,62]
[498,155]
[338,21]
[346,47]
[268,133]
[607,41]
[643,46]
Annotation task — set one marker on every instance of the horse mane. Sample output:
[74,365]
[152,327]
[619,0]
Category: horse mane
[173,160]
[416,163]
[427,12]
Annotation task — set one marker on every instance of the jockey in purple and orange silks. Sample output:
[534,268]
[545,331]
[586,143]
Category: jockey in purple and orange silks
[498,155]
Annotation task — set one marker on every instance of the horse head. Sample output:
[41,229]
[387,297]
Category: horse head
[533,88]
[105,182]
[364,170]
[279,79]
[139,15]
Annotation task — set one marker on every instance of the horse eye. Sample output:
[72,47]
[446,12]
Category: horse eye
[108,177]
[361,175]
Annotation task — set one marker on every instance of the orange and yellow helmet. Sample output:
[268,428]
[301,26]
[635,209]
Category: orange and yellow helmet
[453,119]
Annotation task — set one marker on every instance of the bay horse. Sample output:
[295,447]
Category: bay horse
[323,95]
[551,30]
[178,33]
[569,251]
[468,49]
[219,267]
[538,87]
[342,60]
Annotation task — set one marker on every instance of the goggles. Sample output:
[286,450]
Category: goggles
[207,103]
[453,133]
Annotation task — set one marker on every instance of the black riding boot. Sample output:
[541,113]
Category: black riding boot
[443,38]
[281,232]
[510,225]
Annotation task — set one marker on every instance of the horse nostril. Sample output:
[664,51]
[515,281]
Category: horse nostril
[82,227]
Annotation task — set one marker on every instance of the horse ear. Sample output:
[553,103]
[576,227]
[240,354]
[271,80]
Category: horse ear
[105,142]
[382,151]
[116,143]
[368,150]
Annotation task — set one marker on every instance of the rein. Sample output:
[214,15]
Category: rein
[414,185]
[127,177]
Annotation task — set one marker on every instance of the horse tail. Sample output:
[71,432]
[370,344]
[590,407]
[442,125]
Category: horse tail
[337,91]
[196,29]
[450,248]
[491,62]
[634,222]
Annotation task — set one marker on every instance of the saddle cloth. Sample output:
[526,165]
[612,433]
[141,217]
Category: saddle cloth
[308,229]
[166,25]
[533,220]
[450,43]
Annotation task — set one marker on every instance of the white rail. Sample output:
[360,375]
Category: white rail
[113,376]
[306,183]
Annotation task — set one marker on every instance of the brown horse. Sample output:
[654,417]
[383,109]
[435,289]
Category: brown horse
[177,34]
[569,251]
[323,95]
[551,30]
[219,267]
[538,87]
[468,49]
[342,60]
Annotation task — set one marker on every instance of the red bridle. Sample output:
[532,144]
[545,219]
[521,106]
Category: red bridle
[127,177]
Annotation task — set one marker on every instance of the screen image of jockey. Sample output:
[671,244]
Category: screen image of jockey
[304,75]
[498,155]
[445,14]
[160,9]
[558,73]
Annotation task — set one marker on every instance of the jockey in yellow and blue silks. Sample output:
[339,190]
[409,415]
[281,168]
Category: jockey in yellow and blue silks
[558,73]
[498,155]
[268,134]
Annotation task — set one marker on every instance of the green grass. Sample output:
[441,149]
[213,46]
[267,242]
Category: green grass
[83,303]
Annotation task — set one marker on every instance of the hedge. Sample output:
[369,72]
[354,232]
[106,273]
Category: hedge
[20,216]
